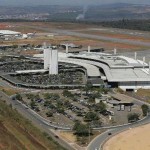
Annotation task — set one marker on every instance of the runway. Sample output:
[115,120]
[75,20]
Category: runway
[90,36]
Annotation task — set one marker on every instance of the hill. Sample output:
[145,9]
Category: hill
[89,13]
[17,133]
[117,11]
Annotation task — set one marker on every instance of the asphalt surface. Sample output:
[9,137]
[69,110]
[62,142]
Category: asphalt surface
[135,33]
[140,54]
[96,37]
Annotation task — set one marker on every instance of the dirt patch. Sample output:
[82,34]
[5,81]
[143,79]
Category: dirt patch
[69,136]
[143,94]
[133,139]
[3,26]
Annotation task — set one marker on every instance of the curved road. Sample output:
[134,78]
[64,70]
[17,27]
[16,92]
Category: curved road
[99,140]
[96,144]
[38,122]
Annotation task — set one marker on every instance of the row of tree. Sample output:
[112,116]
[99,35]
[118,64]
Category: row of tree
[128,24]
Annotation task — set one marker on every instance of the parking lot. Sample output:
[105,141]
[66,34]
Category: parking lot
[64,111]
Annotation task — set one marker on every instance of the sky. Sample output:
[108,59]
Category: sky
[68,2]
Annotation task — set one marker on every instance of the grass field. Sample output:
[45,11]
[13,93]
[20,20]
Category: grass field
[8,91]
[17,133]
[144,94]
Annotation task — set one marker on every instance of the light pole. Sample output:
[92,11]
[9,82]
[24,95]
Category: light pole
[89,133]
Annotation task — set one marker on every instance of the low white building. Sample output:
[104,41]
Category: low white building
[9,35]
[9,32]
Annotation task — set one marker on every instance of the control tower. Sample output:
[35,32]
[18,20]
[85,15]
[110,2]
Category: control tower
[51,60]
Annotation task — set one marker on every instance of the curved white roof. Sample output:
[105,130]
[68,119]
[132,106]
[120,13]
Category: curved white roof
[92,71]
[117,75]
[116,68]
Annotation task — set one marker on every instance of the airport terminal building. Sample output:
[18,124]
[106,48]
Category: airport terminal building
[115,70]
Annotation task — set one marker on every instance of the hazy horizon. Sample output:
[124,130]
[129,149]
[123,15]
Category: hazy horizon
[67,2]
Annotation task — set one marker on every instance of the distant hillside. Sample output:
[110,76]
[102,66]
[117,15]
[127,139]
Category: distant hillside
[97,13]
[50,9]
[117,11]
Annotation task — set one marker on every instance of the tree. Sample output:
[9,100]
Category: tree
[19,97]
[96,123]
[88,87]
[81,129]
[145,109]
[97,94]
[15,46]
[55,96]
[59,103]
[91,98]
[105,90]
[67,103]
[32,104]
[37,96]
[2,59]
[67,93]
[91,116]
[47,103]
[37,109]
[21,57]
[100,106]
[60,110]
[30,96]
[49,114]
[133,117]
[47,96]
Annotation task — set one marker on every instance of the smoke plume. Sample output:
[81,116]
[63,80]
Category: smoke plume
[82,16]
